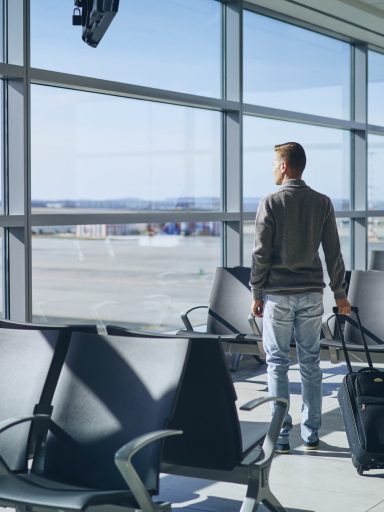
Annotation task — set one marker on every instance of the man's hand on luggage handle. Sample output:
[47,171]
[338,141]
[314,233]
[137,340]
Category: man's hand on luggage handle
[343,306]
[257,308]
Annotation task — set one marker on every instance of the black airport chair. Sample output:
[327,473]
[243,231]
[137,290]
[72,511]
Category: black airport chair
[366,291]
[228,312]
[215,444]
[112,402]
[376,260]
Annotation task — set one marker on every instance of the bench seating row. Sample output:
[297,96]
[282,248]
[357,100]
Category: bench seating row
[229,308]
[88,421]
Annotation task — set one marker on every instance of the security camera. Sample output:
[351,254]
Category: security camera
[95,16]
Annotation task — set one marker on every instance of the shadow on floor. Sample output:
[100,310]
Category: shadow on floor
[325,450]
[188,494]
[212,504]
[298,510]
[373,475]
[328,388]
[193,494]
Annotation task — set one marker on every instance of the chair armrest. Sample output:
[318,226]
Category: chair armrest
[257,332]
[185,319]
[328,331]
[281,407]
[255,328]
[123,461]
[252,404]
[11,422]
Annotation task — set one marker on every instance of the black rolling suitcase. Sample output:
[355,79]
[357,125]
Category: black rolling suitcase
[361,399]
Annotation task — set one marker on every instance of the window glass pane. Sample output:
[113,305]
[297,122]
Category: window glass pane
[172,44]
[375,241]
[2,148]
[248,242]
[2,58]
[328,159]
[344,229]
[141,276]
[2,312]
[292,68]
[375,172]
[93,151]
[375,88]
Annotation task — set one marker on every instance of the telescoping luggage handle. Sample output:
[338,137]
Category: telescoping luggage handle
[348,319]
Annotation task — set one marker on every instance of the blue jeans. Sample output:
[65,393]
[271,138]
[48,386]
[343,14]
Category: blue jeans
[298,314]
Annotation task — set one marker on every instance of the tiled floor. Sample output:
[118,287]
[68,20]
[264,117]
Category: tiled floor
[323,481]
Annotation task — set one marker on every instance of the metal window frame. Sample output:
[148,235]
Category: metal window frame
[17,196]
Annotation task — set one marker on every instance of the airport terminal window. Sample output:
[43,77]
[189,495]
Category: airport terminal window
[292,68]
[172,44]
[96,153]
[99,152]
[1,147]
[344,229]
[1,272]
[2,56]
[137,275]
[375,172]
[375,88]
[328,159]
[375,234]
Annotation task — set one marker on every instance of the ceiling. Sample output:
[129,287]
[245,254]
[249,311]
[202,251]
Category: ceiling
[375,7]
[376,3]
[358,20]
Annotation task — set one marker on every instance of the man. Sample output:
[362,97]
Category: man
[287,284]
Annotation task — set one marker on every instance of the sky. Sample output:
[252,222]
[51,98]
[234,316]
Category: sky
[91,146]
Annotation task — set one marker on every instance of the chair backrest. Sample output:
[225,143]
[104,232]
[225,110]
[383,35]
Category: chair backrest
[366,291]
[376,260]
[206,412]
[64,334]
[111,390]
[25,362]
[230,301]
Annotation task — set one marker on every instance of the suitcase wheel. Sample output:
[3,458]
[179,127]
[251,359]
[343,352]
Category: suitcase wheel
[360,469]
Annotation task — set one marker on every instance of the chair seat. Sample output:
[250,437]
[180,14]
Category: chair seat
[252,433]
[34,490]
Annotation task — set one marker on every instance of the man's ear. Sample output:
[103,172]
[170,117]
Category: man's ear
[284,167]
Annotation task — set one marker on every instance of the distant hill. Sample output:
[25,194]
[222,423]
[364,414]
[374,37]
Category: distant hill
[172,203]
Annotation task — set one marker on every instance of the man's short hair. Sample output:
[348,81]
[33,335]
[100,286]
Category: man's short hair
[294,154]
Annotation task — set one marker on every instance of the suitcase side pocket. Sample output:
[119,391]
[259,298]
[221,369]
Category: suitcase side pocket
[370,412]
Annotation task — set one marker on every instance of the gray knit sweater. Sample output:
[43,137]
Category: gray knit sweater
[290,226]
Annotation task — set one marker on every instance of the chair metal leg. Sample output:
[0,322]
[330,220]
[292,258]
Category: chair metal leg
[273,504]
[259,496]
[258,490]
[235,362]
